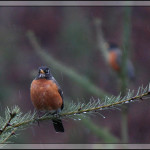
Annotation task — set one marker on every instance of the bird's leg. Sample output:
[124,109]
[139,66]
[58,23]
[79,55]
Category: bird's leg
[37,119]
[56,113]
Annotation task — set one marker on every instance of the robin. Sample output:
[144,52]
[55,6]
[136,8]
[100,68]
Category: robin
[115,60]
[46,95]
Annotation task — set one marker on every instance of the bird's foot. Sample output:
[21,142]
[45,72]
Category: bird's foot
[56,115]
[37,120]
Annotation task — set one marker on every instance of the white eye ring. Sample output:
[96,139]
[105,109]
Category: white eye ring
[47,71]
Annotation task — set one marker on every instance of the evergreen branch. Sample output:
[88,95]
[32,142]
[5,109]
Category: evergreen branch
[71,73]
[101,42]
[17,121]
[8,136]
[124,74]
[72,110]
[107,105]
[7,124]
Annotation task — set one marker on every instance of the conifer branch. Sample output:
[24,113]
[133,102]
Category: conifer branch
[7,124]
[8,136]
[101,42]
[124,72]
[72,110]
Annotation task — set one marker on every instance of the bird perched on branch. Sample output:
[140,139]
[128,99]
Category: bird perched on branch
[115,60]
[46,95]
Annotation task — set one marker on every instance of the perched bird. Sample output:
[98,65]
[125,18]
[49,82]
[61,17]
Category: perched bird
[46,95]
[115,60]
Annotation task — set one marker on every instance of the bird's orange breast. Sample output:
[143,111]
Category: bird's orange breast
[44,95]
[113,61]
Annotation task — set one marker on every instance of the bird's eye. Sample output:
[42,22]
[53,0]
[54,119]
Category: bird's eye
[46,71]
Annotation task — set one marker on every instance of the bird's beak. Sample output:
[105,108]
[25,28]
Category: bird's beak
[42,74]
[41,71]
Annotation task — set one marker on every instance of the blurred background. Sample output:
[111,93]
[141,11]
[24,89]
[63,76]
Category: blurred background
[69,35]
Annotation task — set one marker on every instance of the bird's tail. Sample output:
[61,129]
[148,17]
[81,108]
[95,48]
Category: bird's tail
[58,125]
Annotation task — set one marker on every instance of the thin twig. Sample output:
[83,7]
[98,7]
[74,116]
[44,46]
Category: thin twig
[80,111]
[7,123]
[124,71]
[10,135]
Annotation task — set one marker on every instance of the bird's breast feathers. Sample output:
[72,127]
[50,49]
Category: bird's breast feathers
[45,95]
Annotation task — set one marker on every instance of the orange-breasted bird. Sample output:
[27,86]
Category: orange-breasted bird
[115,60]
[46,95]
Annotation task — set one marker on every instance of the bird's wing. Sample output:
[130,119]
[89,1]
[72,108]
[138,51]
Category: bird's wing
[119,57]
[60,91]
[130,68]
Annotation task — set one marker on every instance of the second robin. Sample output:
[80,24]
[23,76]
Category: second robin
[115,60]
[46,95]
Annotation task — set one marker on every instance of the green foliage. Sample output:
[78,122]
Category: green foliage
[101,42]
[12,121]
[15,120]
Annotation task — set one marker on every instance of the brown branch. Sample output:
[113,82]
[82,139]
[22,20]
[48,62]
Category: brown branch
[12,115]
[78,111]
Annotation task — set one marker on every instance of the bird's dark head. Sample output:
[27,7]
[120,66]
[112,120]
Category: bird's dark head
[112,46]
[44,72]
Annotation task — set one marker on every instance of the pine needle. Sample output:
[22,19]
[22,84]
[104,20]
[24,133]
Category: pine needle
[15,120]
